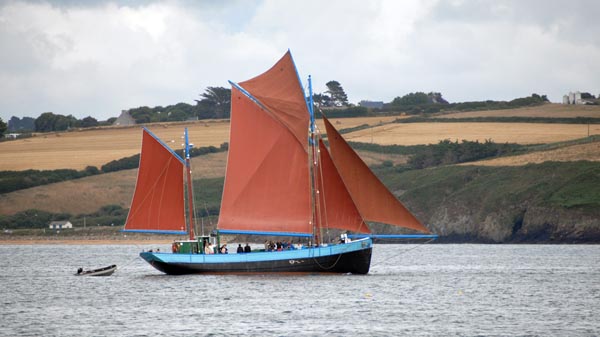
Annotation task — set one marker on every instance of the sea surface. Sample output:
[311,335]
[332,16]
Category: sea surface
[411,290]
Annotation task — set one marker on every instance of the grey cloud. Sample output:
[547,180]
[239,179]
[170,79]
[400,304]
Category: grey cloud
[576,20]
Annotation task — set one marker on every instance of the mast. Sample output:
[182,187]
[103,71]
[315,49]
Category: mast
[314,167]
[188,172]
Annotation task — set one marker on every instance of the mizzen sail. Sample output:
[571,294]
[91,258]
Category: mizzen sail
[373,200]
[158,200]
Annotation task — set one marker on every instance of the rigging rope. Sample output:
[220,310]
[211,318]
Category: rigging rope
[128,264]
[332,266]
[405,251]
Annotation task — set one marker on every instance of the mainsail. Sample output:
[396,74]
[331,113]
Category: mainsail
[158,200]
[267,186]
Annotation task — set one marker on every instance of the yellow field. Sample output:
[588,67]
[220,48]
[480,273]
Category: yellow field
[551,110]
[80,148]
[432,133]
[589,152]
[345,123]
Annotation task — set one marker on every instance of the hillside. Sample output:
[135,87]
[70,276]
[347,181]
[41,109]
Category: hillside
[589,151]
[548,192]
[549,202]
[86,195]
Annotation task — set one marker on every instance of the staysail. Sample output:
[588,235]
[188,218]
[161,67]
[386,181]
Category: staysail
[267,186]
[158,200]
[372,199]
[337,209]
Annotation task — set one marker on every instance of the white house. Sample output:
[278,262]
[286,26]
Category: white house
[575,98]
[60,224]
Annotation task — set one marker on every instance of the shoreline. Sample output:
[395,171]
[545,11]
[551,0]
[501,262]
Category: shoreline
[81,241]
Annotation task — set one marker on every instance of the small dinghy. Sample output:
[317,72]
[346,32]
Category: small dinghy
[106,271]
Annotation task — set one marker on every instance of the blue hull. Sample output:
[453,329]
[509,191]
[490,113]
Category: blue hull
[353,257]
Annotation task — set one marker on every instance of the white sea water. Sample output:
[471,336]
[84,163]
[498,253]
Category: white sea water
[432,290]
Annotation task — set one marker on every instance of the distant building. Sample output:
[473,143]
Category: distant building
[12,135]
[576,98]
[60,225]
[124,119]
[371,104]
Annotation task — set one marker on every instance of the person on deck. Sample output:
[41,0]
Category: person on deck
[247,248]
[240,249]
[208,248]
[223,249]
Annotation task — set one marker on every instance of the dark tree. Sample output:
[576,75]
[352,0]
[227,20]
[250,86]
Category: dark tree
[143,114]
[337,94]
[63,123]
[45,122]
[89,121]
[411,99]
[48,122]
[322,100]
[217,98]
[587,95]
[2,127]
[18,124]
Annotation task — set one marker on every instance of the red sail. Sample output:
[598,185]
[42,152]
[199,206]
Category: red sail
[280,90]
[373,200]
[158,201]
[336,206]
[266,183]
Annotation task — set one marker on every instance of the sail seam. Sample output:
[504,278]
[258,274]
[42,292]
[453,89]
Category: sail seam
[152,189]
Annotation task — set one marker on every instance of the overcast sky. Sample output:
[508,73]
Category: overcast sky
[100,57]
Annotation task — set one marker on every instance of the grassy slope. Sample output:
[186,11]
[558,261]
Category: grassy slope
[466,200]
[547,184]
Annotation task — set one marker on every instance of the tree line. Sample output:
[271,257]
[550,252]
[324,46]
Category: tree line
[215,103]
[420,103]
[445,152]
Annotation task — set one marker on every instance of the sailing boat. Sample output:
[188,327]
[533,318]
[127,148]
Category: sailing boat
[281,180]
